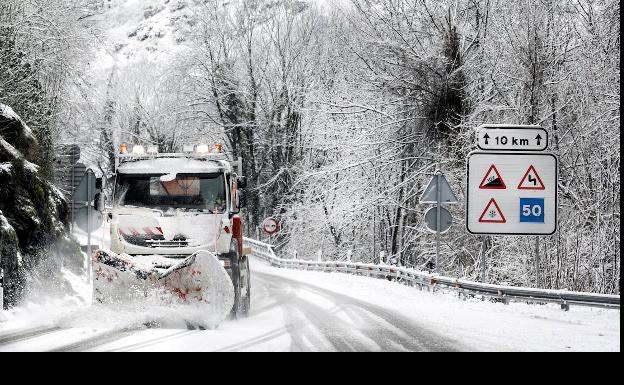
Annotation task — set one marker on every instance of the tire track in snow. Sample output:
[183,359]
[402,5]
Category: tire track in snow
[388,330]
[21,335]
[97,340]
[153,341]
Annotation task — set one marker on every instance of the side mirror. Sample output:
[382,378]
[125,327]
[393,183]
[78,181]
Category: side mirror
[99,202]
[241,182]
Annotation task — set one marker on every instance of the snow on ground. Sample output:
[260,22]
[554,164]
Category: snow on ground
[478,324]
[296,310]
[313,311]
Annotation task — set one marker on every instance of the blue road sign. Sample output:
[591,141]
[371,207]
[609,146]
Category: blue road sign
[532,210]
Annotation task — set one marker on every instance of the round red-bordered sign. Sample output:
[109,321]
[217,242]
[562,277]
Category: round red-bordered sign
[270,226]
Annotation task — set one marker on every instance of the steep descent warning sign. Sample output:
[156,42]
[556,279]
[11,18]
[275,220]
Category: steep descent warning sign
[493,180]
[531,181]
[492,213]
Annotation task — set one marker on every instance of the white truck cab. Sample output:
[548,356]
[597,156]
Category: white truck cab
[175,218]
[173,204]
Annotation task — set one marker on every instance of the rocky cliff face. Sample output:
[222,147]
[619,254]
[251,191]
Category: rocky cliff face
[34,238]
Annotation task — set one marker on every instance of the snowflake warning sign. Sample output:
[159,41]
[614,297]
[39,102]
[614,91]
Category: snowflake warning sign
[531,180]
[492,213]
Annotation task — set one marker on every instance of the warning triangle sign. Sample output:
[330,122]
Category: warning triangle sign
[531,181]
[493,180]
[492,213]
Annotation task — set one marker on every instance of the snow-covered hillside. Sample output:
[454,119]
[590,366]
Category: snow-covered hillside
[142,31]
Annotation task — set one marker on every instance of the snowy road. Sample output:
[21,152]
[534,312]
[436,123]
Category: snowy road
[311,311]
[319,319]
[288,315]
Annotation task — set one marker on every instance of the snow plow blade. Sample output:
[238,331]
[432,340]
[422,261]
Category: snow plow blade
[199,279]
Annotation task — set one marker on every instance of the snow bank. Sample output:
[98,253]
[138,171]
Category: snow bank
[17,155]
[5,226]
[8,113]
[5,168]
[9,149]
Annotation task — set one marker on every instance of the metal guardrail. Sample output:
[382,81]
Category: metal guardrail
[1,288]
[429,281]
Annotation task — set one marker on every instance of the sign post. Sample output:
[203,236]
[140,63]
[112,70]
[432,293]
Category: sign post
[512,184]
[439,198]
[89,173]
[438,191]
[87,217]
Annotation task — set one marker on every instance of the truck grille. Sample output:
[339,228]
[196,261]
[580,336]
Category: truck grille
[156,241]
[166,244]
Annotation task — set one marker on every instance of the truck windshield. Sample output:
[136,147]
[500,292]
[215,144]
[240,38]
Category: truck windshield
[204,192]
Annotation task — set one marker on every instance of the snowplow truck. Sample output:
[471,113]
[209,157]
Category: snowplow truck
[176,232]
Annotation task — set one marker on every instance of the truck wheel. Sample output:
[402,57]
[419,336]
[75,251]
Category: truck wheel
[237,308]
[237,267]
[247,300]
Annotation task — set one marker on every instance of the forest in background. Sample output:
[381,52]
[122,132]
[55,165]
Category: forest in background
[341,111]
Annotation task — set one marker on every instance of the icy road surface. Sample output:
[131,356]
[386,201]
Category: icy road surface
[313,311]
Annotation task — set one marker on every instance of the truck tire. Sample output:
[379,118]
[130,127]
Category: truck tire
[246,305]
[240,281]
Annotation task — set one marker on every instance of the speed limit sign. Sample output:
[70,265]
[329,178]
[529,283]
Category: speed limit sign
[270,226]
